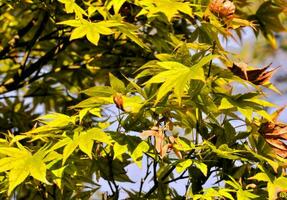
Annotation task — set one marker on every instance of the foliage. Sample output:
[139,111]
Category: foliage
[91,87]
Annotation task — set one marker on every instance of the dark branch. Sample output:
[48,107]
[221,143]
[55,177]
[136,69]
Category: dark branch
[36,36]
[18,80]
[14,42]
[164,177]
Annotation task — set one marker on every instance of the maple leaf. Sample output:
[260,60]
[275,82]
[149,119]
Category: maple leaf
[275,134]
[222,8]
[161,146]
[256,76]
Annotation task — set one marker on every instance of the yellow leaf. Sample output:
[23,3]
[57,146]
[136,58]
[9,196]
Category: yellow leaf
[86,143]
[225,104]
[119,150]
[138,153]
[17,176]
[99,135]
[183,165]
[69,149]
[38,169]
[58,173]
[93,37]
[78,32]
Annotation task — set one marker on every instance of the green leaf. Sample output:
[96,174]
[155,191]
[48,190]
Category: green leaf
[93,37]
[91,30]
[183,165]
[264,114]
[24,164]
[261,102]
[12,152]
[272,191]
[69,149]
[132,104]
[225,104]
[281,183]
[6,163]
[128,30]
[37,167]
[86,143]
[56,120]
[119,150]
[260,177]
[272,163]
[59,174]
[72,7]
[225,152]
[100,91]
[117,84]
[17,176]
[225,193]
[117,4]
[100,136]
[182,145]
[38,170]
[137,154]
[245,195]
[246,112]
[73,23]
[176,77]
[201,166]
[78,32]
[168,7]
[52,155]
[61,143]
[82,113]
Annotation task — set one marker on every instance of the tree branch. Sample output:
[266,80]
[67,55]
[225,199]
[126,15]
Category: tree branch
[34,39]
[178,178]
[164,177]
[116,192]
[14,42]
[18,80]
[144,179]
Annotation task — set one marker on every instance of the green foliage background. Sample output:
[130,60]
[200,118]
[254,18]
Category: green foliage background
[90,87]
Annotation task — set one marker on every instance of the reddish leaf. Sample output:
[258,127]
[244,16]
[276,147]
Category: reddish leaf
[118,100]
[222,8]
[277,144]
[255,76]
[275,134]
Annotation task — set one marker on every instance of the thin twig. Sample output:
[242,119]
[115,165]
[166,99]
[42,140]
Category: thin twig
[178,178]
[155,186]
[146,175]
[116,192]
[19,79]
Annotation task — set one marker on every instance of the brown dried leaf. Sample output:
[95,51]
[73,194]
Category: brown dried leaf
[163,150]
[275,134]
[177,153]
[118,100]
[280,153]
[222,8]
[159,139]
[148,133]
[255,76]
[276,114]
[278,144]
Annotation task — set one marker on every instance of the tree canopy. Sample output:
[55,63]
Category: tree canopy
[89,89]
